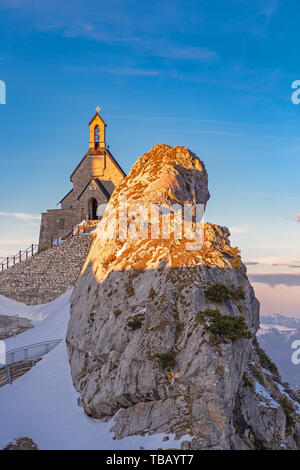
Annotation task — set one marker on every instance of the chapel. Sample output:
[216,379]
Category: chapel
[93,182]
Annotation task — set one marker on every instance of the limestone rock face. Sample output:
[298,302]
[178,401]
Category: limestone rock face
[139,349]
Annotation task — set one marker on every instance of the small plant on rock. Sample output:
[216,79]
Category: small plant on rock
[208,313]
[225,326]
[218,292]
[248,382]
[229,327]
[152,293]
[134,324]
[289,411]
[265,361]
[237,293]
[166,360]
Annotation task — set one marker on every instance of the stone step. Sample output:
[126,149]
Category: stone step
[48,274]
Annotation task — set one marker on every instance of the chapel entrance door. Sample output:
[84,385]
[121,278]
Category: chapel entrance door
[93,206]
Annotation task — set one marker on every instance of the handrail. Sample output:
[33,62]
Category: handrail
[11,357]
[23,255]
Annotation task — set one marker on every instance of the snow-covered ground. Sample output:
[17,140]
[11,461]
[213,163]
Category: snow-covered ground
[42,404]
[35,314]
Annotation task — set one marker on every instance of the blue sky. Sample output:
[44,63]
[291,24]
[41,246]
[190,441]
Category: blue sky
[214,76]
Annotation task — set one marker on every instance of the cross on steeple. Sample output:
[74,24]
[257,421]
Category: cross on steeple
[98,109]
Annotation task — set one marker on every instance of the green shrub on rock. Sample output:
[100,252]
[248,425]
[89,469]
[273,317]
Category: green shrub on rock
[265,361]
[289,411]
[166,360]
[134,324]
[218,292]
[225,326]
[247,381]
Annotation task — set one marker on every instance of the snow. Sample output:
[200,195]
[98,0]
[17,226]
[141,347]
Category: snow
[83,224]
[266,395]
[58,241]
[35,314]
[266,371]
[295,403]
[119,252]
[42,404]
[140,312]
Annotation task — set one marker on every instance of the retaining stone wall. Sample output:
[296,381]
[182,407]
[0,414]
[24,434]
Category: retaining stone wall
[48,274]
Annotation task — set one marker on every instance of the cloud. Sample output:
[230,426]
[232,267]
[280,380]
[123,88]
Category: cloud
[275,261]
[130,71]
[172,51]
[277,295]
[239,229]
[12,242]
[32,218]
[256,22]
[149,46]
[11,247]
[11,3]
[269,9]
[276,279]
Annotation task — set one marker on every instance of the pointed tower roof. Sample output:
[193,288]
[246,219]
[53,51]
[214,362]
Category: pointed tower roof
[97,115]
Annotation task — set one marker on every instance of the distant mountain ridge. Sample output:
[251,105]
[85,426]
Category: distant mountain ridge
[278,319]
[276,336]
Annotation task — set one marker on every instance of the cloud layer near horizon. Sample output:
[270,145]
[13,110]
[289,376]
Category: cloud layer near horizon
[33,218]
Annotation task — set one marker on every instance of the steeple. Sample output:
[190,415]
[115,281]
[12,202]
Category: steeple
[97,132]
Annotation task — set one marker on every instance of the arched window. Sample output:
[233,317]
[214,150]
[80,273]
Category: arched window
[97,134]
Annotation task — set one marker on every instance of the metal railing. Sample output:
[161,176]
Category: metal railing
[27,353]
[23,255]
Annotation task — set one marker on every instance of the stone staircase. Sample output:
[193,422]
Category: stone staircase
[49,273]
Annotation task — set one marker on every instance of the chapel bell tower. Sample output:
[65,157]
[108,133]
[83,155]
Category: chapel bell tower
[97,132]
[93,182]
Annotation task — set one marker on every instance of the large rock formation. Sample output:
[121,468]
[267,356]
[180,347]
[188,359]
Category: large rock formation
[162,336]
